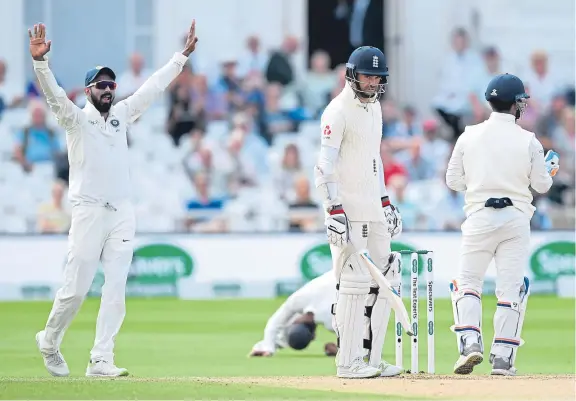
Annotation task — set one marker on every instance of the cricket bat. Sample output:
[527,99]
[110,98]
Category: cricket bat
[388,291]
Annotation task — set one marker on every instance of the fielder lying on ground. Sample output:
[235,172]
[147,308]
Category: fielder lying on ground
[294,323]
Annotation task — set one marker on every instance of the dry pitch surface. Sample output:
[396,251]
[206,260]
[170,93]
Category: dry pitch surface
[493,388]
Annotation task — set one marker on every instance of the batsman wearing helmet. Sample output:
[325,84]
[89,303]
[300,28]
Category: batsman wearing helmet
[495,163]
[359,216]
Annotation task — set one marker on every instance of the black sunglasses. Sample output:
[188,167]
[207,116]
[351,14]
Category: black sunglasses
[103,85]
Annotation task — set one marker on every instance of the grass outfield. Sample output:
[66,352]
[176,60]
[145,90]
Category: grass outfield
[169,346]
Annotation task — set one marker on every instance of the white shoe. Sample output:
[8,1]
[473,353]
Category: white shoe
[501,366]
[471,356]
[358,370]
[389,370]
[101,368]
[53,360]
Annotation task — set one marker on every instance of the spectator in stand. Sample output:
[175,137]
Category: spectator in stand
[340,73]
[9,96]
[418,165]
[201,160]
[213,103]
[289,169]
[318,83]
[275,120]
[303,210]
[37,143]
[492,67]
[434,148]
[53,216]
[542,83]
[390,119]
[551,121]
[448,213]
[229,85]
[133,78]
[254,60]
[247,152]
[392,167]
[184,114]
[406,132]
[411,216]
[460,71]
[204,206]
[280,69]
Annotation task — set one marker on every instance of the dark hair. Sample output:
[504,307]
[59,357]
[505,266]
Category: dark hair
[500,106]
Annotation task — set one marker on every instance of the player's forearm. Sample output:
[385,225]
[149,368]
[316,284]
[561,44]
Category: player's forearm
[275,323]
[325,177]
[383,190]
[56,97]
[455,179]
[156,84]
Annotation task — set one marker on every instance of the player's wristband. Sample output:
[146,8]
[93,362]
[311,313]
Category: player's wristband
[336,209]
[385,201]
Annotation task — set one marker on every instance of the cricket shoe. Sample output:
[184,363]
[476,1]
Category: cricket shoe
[53,360]
[389,370]
[471,356]
[501,366]
[101,368]
[358,369]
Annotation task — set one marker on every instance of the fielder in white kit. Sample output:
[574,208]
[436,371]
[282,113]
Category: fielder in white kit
[294,323]
[495,163]
[350,176]
[103,221]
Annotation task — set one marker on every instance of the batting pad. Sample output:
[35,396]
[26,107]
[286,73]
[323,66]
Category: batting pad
[377,314]
[349,312]
[508,322]
[467,308]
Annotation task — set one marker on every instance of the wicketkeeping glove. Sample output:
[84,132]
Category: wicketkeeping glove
[552,160]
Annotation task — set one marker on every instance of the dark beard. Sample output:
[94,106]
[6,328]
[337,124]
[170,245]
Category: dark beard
[101,107]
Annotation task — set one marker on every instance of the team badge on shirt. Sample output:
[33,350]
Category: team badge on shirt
[115,123]
[327,131]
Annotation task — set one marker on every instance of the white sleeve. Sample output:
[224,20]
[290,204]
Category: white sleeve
[154,87]
[66,112]
[383,190]
[540,180]
[278,321]
[324,174]
[455,173]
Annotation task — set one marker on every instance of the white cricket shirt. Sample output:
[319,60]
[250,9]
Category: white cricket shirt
[355,129]
[97,148]
[496,159]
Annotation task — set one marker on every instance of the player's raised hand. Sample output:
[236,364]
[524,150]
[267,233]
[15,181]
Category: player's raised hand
[38,45]
[191,40]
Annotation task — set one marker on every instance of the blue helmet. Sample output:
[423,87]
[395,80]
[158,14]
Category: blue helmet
[300,335]
[367,60]
[507,89]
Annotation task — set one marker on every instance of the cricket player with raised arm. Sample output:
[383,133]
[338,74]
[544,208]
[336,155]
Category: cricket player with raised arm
[495,163]
[294,323]
[103,221]
[359,216]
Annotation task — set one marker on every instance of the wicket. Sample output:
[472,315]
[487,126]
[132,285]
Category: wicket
[429,276]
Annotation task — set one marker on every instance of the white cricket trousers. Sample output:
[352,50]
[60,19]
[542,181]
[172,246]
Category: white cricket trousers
[502,234]
[97,234]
